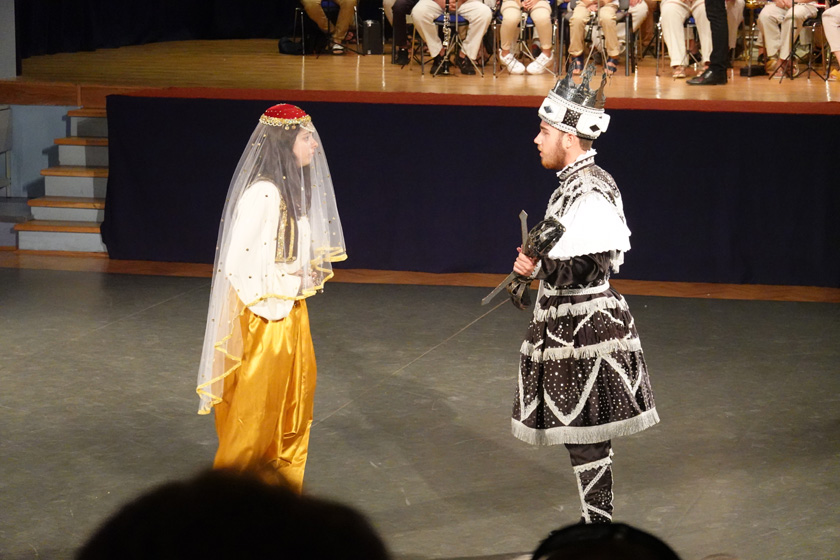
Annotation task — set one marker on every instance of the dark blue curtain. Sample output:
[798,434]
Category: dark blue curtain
[438,188]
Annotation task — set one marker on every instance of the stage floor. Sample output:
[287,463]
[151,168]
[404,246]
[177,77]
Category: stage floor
[412,417]
[255,65]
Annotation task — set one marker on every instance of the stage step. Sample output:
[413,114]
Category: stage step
[81,151]
[86,182]
[88,122]
[67,208]
[59,235]
[67,219]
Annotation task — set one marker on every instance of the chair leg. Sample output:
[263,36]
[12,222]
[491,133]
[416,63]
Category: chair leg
[658,31]
[496,44]
[299,16]
[561,42]
[359,49]
[629,57]
[811,67]
[417,41]
[382,27]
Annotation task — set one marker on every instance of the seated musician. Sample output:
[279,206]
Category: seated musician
[609,28]
[396,12]
[475,12]
[346,10]
[774,21]
[673,14]
[540,12]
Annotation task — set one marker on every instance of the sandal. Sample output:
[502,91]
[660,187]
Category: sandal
[577,65]
[612,65]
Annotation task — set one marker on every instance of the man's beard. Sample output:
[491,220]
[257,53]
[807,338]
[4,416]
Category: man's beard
[558,156]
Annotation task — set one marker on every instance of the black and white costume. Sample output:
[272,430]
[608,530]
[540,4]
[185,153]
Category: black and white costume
[582,376]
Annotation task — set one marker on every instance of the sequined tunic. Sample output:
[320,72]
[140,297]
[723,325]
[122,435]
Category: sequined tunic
[582,375]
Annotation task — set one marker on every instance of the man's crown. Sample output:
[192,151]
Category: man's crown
[582,94]
[576,108]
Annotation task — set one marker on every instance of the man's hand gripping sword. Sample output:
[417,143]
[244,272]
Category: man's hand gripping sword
[514,282]
[535,244]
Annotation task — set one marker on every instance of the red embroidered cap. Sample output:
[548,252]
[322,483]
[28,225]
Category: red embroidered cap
[287,116]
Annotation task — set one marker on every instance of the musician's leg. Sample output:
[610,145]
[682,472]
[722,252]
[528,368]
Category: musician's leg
[423,15]
[511,15]
[479,16]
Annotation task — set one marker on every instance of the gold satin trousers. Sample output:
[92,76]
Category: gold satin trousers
[266,410]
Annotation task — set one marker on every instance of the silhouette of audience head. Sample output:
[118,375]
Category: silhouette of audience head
[225,514]
[603,541]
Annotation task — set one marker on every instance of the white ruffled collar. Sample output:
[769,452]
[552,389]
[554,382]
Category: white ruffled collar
[584,159]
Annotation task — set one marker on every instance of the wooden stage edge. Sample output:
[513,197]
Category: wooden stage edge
[24,92]
[100,263]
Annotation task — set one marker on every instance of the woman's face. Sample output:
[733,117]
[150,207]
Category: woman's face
[304,147]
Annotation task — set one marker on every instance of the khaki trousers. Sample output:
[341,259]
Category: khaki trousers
[577,29]
[511,17]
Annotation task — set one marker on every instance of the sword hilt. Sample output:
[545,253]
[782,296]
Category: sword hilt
[523,222]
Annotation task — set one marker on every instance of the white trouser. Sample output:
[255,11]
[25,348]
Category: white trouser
[474,11]
[831,26]
[734,18]
[673,16]
[774,23]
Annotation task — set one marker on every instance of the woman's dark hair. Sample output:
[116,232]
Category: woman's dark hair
[221,515]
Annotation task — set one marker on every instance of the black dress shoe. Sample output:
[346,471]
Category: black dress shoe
[402,57]
[466,66]
[440,66]
[708,78]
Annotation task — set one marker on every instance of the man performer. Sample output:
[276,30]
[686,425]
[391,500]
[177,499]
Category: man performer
[278,236]
[582,376]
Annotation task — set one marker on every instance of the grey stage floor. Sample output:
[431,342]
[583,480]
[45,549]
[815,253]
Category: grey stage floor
[97,404]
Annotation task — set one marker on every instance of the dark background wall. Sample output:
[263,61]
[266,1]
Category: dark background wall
[437,188]
[53,26]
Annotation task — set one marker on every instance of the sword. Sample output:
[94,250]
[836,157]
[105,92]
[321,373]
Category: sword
[523,222]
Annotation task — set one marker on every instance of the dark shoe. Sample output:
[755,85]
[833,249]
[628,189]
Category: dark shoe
[402,57]
[611,66]
[577,65]
[440,65]
[466,66]
[708,78]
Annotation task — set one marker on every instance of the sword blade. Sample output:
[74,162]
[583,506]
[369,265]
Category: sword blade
[498,288]
[523,222]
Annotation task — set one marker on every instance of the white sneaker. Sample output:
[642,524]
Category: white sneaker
[540,64]
[513,65]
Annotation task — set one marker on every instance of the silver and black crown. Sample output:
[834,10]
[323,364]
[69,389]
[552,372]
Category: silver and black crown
[575,108]
[582,94]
